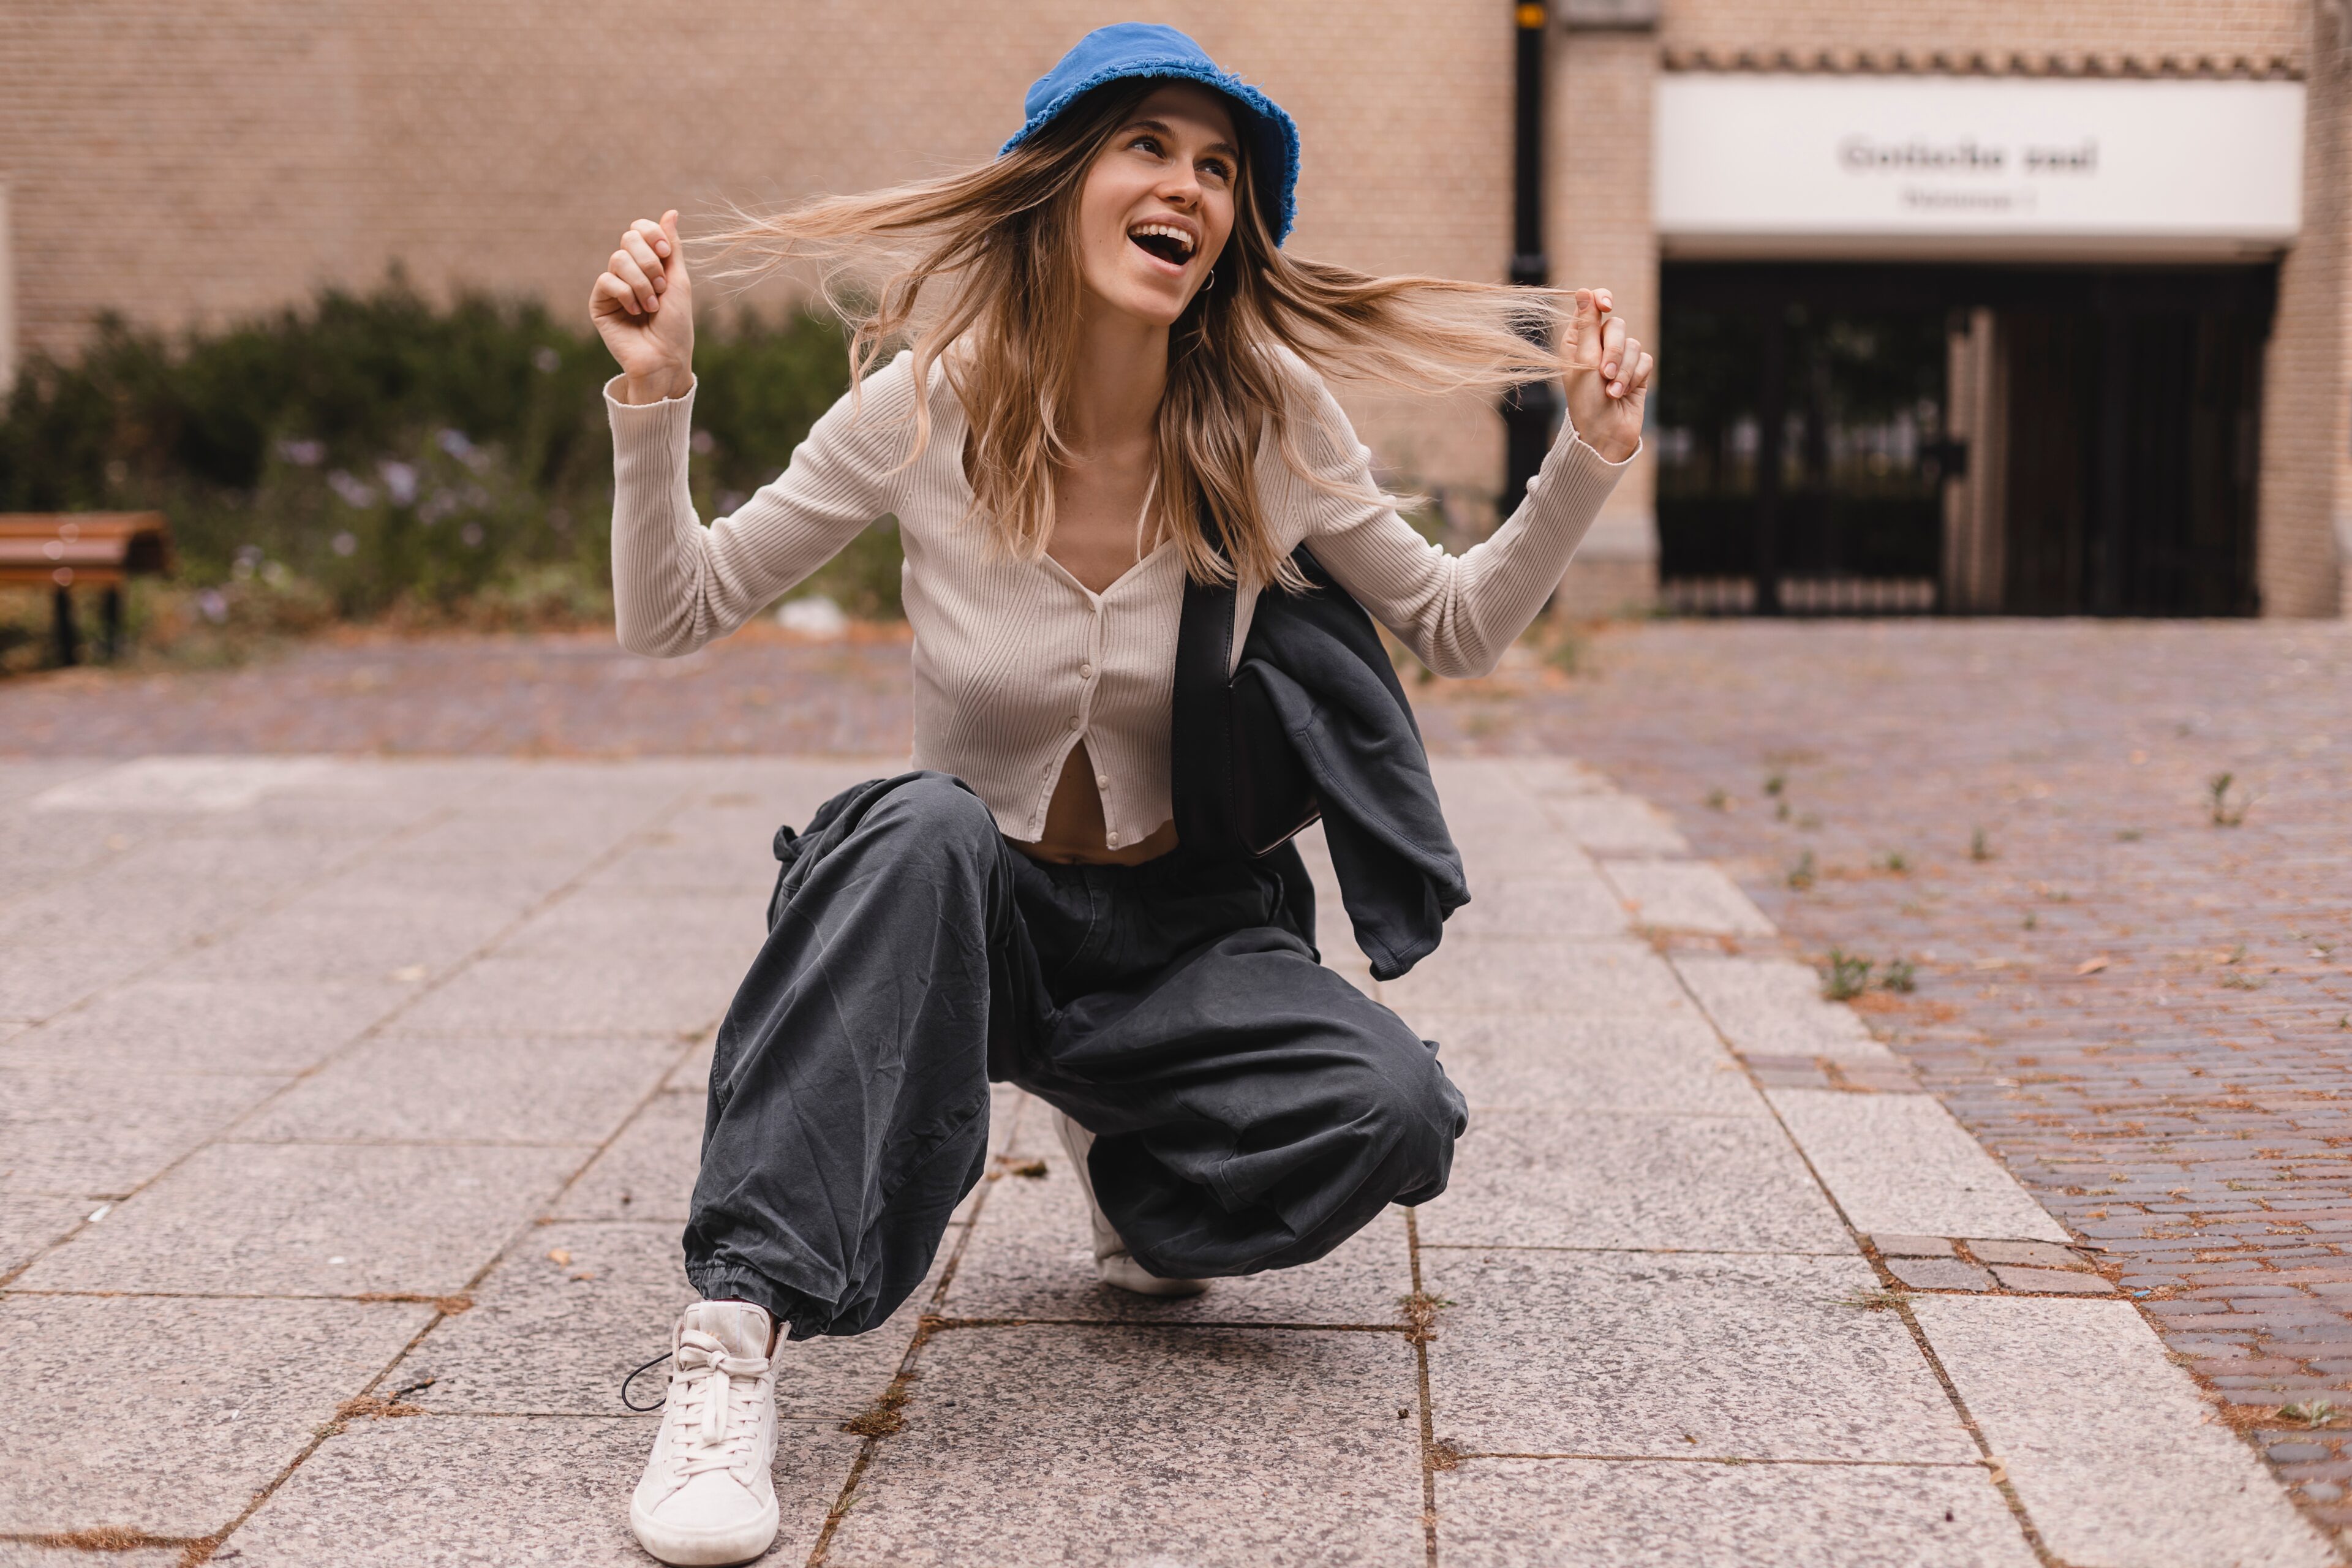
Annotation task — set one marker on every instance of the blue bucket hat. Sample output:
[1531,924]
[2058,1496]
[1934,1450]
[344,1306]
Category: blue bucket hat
[1130,49]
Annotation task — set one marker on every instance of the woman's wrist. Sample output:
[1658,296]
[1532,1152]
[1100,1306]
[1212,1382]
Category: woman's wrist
[658,387]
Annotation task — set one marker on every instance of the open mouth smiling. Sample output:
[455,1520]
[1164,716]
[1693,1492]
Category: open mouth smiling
[1163,242]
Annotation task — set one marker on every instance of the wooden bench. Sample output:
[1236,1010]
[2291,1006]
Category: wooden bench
[65,551]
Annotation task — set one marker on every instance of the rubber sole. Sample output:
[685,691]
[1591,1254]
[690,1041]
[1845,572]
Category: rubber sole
[704,1548]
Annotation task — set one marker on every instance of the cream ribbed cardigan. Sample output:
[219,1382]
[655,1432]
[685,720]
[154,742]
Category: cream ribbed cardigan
[1015,661]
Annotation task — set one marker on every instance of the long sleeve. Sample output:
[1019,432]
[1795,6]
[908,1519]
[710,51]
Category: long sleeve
[1458,613]
[677,584]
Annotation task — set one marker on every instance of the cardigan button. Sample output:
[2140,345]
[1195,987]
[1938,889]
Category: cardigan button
[1111,840]
[1102,781]
[1085,672]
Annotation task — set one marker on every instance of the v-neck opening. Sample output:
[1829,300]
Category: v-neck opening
[963,479]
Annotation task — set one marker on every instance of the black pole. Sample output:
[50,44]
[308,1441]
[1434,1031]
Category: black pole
[1771,429]
[1528,408]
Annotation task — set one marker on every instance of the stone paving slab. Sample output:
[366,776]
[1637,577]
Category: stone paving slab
[571,1309]
[1698,1357]
[647,1171]
[1030,1256]
[2140,1474]
[317,1219]
[1772,1006]
[92,1133]
[1585,1180]
[1605,977]
[1141,1445]
[1560,1061]
[1538,909]
[1605,821]
[649,994]
[1899,1163]
[37,1554]
[1685,895]
[493,1089]
[502,1492]
[1584,1513]
[165,1416]
[160,1026]
[30,1226]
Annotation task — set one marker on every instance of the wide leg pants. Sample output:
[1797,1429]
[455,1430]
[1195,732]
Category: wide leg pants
[1251,1110]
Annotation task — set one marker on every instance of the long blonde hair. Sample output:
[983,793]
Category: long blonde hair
[984,262]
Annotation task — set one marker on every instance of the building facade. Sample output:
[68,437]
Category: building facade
[1990,307]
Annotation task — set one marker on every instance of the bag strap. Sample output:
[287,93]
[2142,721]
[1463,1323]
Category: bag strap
[1201,719]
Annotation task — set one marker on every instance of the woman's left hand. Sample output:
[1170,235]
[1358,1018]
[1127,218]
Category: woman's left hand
[1608,381]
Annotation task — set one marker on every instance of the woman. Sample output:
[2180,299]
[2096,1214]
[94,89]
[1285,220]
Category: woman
[1113,385]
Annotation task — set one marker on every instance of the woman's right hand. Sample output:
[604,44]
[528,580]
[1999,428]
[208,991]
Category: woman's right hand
[643,306]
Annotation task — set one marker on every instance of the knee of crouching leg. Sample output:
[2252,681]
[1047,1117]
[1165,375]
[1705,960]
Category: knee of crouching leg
[942,813]
[1416,1114]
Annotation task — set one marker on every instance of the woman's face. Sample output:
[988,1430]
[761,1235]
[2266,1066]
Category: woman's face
[1157,204]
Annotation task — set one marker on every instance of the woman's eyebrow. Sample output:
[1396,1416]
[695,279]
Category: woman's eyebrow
[1164,128]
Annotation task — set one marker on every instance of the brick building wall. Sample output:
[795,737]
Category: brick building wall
[184,164]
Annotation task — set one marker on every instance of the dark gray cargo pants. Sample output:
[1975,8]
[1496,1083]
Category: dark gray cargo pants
[1251,1110]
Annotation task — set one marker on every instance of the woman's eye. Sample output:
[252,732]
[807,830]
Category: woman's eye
[1150,144]
[1221,171]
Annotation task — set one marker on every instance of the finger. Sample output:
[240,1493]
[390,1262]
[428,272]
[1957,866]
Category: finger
[1612,346]
[676,252]
[625,266]
[1640,380]
[1584,326]
[1629,354]
[610,296]
[657,239]
[642,253]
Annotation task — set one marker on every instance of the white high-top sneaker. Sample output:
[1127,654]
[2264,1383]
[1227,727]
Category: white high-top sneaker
[1112,1260]
[707,1495]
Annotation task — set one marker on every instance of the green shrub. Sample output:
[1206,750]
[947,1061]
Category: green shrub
[387,455]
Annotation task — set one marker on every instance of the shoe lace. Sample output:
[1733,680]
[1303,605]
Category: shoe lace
[716,1403]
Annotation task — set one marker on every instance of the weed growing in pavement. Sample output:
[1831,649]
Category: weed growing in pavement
[2235,981]
[1421,1309]
[1899,974]
[1980,846]
[2128,835]
[2310,1412]
[2224,812]
[1780,812]
[1800,875]
[1871,1300]
[1716,800]
[1846,977]
[1895,862]
[1776,783]
[2031,920]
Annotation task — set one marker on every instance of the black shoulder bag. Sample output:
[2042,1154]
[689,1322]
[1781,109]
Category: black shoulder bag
[1239,786]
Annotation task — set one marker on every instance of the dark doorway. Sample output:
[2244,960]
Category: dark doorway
[1840,437]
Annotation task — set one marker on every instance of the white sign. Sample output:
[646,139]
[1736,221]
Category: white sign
[1823,165]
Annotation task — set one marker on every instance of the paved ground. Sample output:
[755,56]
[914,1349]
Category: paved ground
[343,1180]
[2143,1014]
